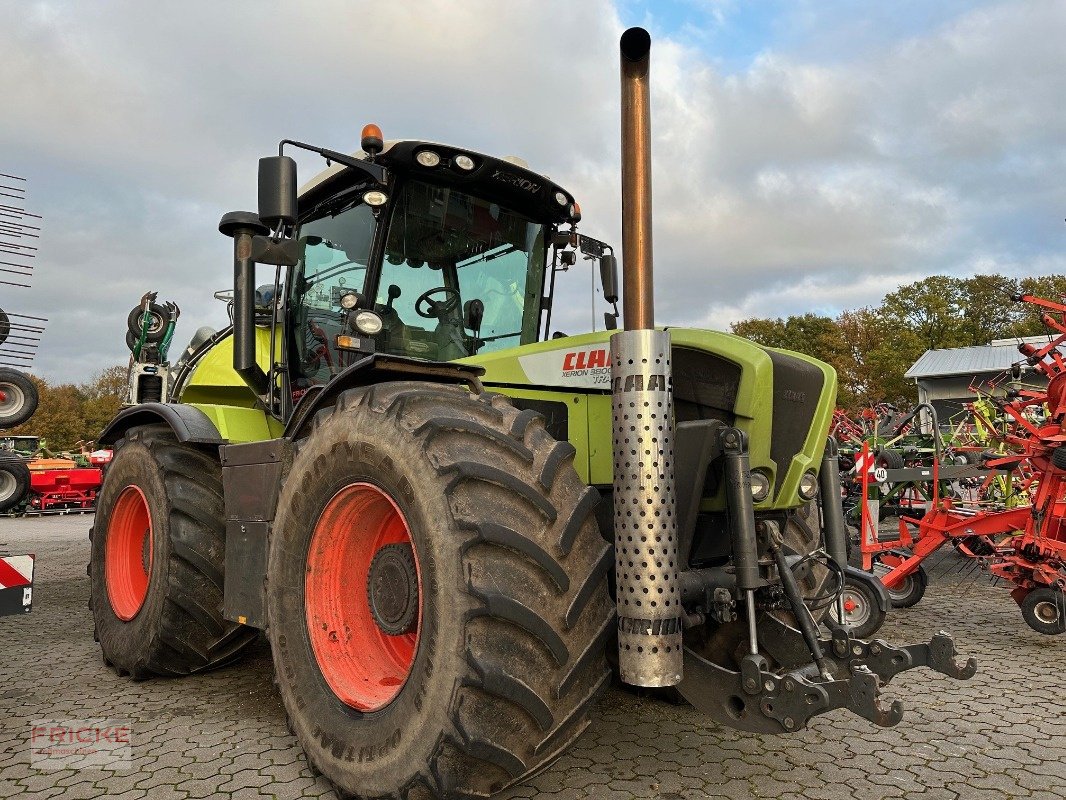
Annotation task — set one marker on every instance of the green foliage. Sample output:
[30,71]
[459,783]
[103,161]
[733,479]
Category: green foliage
[871,348]
[69,415]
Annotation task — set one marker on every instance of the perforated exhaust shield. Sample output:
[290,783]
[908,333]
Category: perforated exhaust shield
[645,518]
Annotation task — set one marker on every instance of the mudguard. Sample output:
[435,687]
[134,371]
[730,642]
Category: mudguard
[379,368]
[189,424]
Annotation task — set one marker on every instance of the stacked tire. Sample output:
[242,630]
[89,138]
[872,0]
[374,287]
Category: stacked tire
[18,402]
[14,481]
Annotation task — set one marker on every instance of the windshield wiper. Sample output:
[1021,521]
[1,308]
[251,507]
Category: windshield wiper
[489,256]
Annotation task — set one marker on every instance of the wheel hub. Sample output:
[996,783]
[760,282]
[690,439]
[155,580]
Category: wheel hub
[392,589]
[1046,612]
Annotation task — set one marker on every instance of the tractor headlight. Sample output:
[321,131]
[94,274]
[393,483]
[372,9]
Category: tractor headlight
[760,485]
[368,323]
[808,487]
[463,162]
[427,158]
[349,300]
[375,198]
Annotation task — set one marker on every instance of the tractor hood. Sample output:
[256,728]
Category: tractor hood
[783,400]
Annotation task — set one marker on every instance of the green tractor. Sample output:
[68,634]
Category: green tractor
[453,527]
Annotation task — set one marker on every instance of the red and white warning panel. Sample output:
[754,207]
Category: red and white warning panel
[16,584]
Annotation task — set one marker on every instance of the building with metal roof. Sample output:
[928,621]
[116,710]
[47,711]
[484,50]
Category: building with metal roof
[947,377]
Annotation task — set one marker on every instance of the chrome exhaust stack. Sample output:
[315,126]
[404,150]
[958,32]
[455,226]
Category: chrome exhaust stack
[648,594]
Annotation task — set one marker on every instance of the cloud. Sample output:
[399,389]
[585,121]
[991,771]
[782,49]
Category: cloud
[815,174]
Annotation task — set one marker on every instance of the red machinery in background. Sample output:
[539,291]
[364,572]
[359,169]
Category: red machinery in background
[64,488]
[1024,545]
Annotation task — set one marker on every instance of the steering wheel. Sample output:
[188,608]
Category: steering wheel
[436,309]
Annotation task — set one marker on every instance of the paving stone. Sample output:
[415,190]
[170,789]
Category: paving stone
[1001,735]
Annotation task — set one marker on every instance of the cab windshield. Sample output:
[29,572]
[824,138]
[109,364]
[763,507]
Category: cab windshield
[446,249]
[443,250]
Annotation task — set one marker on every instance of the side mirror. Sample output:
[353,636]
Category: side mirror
[277,191]
[609,277]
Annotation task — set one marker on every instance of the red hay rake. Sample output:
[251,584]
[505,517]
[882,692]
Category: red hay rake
[1025,545]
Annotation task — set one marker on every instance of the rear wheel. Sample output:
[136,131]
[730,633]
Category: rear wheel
[1044,610]
[910,591]
[157,557]
[437,594]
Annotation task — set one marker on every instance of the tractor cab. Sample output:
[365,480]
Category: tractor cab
[442,255]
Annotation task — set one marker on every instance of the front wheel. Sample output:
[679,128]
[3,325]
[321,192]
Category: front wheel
[1044,610]
[863,615]
[437,594]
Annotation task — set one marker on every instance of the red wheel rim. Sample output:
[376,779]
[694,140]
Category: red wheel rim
[128,553]
[365,667]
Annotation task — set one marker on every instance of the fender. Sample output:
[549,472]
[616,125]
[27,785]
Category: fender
[884,602]
[379,368]
[190,424]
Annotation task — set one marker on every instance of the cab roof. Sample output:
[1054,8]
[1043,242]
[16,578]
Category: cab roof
[500,180]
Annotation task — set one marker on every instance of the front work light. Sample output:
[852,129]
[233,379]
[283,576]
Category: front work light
[427,158]
[375,198]
[368,323]
[760,485]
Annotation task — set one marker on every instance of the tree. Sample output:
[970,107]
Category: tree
[988,312]
[880,353]
[931,308]
[103,398]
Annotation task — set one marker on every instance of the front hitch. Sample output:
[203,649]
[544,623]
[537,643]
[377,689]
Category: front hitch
[786,698]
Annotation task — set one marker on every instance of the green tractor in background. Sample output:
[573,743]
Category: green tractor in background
[449,524]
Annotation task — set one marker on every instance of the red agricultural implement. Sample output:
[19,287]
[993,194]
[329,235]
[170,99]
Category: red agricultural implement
[1024,545]
[64,489]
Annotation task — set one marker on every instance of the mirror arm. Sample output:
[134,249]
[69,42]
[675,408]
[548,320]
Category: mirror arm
[375,171]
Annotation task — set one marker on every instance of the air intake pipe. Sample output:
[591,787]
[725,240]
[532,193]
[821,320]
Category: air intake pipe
[243,227]
[645,516]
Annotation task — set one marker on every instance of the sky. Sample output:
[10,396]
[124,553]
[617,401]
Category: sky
[808,155]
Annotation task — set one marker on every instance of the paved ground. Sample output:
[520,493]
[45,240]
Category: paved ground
[1001,735]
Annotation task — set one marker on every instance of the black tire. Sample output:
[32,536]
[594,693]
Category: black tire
[131,341]
[910,592]
[1044,610]
[179,629]
[513,573]
[1058,457]
[19,397]
[14,482]
[157,326]
[889,459]
[863,614]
